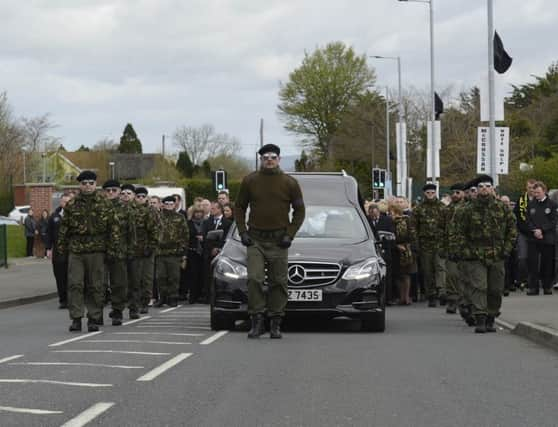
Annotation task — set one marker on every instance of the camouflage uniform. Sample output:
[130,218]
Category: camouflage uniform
[172,247]
[119,265]
[429,220]
[88,232]
[482,237]
[144,238]
[454,290]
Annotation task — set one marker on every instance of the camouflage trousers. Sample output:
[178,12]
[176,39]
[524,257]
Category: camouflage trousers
[168,276]
[453,282]
[118,278]
[86,285]
[433,270]
[266,253]
[486,285]
[141,282]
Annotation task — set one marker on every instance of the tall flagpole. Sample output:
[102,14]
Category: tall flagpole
[432,97]
[491,94]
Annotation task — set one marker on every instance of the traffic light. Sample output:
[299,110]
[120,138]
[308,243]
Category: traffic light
[375,178]
[220,180]
[382,178]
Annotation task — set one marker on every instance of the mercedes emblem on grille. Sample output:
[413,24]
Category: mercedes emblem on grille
[297,274]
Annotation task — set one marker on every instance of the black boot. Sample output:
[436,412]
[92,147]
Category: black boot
[490,324]
[144,310]
[480,320]
[451,308]
[275,328]
[134,314]
[76,325]
[159,303]
[258,326]
[116,318]
[92,326]
[431,302]
[443,300]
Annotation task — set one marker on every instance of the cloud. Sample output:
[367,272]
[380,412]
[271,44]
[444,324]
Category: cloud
[164,63]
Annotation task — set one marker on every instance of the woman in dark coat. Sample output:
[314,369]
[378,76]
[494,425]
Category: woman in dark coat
[404,263]
[43,229]
[194,267]
[30,229]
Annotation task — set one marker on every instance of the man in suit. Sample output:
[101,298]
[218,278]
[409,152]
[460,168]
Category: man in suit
[382,222]
[211,249]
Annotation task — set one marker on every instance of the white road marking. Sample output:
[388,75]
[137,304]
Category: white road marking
[100,365]
[139,342]
[141,353]
[28,411]
[7,359]
[70,383]
[214,337]
[180,334]
[166,310]
[88,415]
[180,327]
[164,367]
[90,334]
[130,322]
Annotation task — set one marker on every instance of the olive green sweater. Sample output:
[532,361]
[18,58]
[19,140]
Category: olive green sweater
[270,193]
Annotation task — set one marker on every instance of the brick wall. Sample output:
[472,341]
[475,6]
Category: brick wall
[40,197]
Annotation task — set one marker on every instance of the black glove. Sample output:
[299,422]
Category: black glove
[246,239]
[285,242]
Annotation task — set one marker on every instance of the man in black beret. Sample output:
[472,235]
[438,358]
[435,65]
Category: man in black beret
[143,243]
[270,194]
[453,279]
[88,233]
[485,232]
[429,219]
[172,248]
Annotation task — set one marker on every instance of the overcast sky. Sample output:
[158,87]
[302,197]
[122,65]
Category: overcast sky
[97,64]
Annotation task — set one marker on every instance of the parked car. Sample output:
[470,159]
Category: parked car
[4,220]
[334,268]
[19,213]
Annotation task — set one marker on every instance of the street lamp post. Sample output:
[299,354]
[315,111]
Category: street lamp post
[432,96]
[111,164]
[401,150]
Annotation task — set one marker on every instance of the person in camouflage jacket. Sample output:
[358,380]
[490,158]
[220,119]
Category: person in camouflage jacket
[482,236]
[453,281]
[172,249]
[88,233]
[119,267]
[429,223]
[145,236]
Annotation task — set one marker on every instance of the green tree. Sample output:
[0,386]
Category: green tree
[236,167]
[83,148]
[129,141]
[185,165]
[327,83]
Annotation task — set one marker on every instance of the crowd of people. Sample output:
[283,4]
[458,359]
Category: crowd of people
[133,250]
[463,251]
[468,249]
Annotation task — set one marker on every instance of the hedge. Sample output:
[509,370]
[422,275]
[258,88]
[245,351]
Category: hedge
[16,241]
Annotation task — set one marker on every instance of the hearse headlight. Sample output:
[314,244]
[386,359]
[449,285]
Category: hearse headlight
[228,268]
[363,270]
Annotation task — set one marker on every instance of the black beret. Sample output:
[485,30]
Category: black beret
[111,183]
[469,184]
[87,176]
[483,178]
[169,199]
[429,186]
[458,186]
[269,148]
[127,187]
[141,190]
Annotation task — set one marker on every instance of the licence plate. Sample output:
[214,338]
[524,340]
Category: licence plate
[305,294]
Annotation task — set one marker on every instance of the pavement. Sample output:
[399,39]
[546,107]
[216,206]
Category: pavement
[532,317]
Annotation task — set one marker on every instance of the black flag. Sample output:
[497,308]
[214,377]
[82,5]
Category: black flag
[502,61]
[438,106]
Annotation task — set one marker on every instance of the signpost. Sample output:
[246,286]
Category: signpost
[501,151]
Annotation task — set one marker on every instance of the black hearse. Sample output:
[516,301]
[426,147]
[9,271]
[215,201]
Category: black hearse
[334,267]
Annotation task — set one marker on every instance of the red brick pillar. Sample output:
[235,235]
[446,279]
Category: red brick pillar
[40,198]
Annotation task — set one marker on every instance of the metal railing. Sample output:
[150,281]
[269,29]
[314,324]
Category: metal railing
[3,246]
